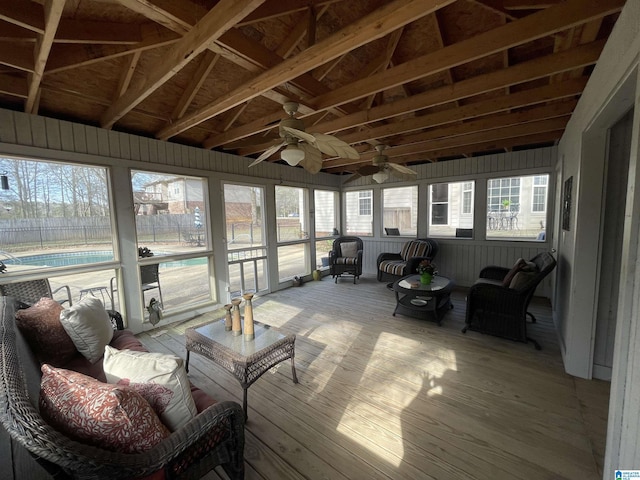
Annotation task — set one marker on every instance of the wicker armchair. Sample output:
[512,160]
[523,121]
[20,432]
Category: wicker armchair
[345,264]
[214,437]
[31,291]
[393,266]
[502,310]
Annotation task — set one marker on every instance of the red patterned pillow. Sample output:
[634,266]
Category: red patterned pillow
[41,327]
[109,416]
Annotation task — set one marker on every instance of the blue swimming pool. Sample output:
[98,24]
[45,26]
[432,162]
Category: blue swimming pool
[65,259]
[62,259]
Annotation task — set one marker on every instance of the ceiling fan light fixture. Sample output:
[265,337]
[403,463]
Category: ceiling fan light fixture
[381,176]
[292,155]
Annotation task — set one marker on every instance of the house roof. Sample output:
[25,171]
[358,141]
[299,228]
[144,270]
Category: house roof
[432,79]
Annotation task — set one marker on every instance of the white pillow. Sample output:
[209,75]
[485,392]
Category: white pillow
[161,380]
[89,326]
[349,249]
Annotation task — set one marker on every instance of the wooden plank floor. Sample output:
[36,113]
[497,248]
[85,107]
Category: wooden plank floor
[401,398]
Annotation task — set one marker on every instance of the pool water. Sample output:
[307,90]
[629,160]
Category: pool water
[62,259]
[82,258]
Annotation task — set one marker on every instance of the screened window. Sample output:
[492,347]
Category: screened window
[325,203]
[467,197]
[451,209]
[54,215]
[364,203]
[439,203]
[539,203]
[400,210]
[516,207]
[292,222]
[170,212]
[359,212]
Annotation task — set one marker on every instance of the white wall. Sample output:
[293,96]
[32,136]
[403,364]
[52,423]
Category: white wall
[612,90]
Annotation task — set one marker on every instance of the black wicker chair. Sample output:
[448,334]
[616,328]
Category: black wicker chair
[393,266]
[214,437]
[343,263]
[501,310]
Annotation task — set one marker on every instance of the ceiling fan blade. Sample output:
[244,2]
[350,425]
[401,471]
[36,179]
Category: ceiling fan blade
[334,146]
[402,169]
[268,152]
[307,137]
[312,162]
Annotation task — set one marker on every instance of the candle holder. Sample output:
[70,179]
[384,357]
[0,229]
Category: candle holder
[236,325]
[227,317]
[249,333]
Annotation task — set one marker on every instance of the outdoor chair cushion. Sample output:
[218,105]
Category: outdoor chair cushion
[89,326]
[161,379]
[112,417]
[392,266]
[47,338]
[349,249]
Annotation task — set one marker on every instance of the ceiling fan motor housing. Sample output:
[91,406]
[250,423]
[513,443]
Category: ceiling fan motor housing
[290,122]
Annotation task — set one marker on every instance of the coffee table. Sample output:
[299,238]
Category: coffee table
[246,360]
[423,301]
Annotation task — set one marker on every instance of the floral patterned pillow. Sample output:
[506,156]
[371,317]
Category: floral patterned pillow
[47,338]
[112,417]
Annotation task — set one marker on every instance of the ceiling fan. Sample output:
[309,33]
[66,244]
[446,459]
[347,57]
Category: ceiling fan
[305,148]
[381,168]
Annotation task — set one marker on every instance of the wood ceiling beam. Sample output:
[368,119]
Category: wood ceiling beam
[466,150]
[494,6]
[107,33]
[208,61]
[26,15]
[484,107]
[425,150]
[52,14]
[67,57]
[532,27]
[522,72]
[283,7]
[379,23]
[434,139]
[218,20]
[128,68]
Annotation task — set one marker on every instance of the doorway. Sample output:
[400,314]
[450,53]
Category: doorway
[613,211]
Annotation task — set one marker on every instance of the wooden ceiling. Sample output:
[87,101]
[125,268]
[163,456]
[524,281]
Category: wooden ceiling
[433,79]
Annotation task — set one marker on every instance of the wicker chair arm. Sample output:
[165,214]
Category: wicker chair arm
[189,452]
[494,272]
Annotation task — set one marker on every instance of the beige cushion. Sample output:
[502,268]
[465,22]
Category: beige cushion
[520,279]
[107,416]
[161,379]
[89,326]
[41,327]
[349,249]
[520,263]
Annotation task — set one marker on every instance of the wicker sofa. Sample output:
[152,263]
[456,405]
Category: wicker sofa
[215,436]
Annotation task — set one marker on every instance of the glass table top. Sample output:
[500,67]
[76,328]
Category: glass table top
[412,282]
[265,336]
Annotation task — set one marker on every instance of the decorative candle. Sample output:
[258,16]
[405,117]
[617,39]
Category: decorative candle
[248,317]
[236,326]
[227,317]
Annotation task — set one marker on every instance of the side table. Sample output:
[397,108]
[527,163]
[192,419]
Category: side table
[246,360]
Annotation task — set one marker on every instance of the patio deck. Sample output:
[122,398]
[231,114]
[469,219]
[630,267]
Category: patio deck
[400,398]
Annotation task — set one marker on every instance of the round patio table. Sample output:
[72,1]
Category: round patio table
[423,301]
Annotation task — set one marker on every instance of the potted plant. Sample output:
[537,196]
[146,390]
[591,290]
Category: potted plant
[427,270]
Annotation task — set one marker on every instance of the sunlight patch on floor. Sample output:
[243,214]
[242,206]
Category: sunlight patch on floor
[391,381]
